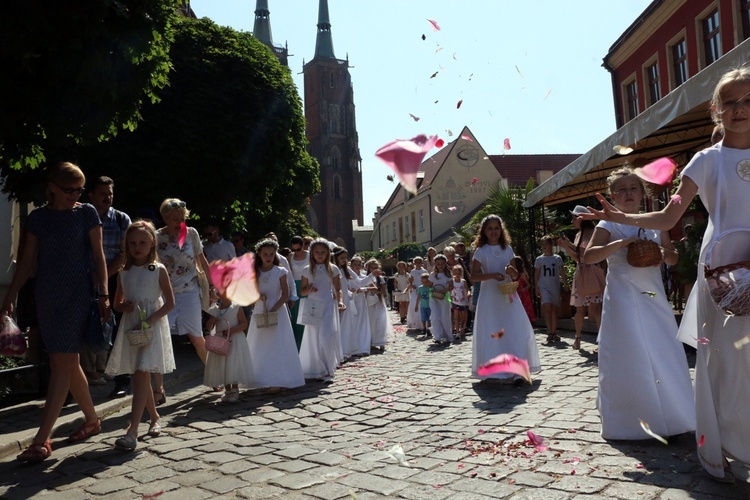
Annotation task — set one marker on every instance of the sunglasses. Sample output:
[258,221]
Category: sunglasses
[176,204]
[79,190]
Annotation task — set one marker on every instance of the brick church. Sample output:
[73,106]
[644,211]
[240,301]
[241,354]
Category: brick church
[331,129]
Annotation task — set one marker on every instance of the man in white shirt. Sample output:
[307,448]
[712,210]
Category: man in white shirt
[216,247]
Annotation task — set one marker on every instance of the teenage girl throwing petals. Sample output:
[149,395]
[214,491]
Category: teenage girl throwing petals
[722,372]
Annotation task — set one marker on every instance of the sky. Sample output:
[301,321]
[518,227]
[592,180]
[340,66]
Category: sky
[527,71]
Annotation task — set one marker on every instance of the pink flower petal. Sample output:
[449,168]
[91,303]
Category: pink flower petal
[440,143]
[182,235]
[434,75]
[539,442]
[438,50]
[405,157]
[498,335]
[452,209]
[676,199]
[661,171]
[547,94]
[506,363]
[474,180]
[460,102]
[703,340]
[434,24]
[701,441]
[647,429]
[415,118]
[519,72]
[506,144]
[622,150]
[437,209]
[467,138]
[236,277]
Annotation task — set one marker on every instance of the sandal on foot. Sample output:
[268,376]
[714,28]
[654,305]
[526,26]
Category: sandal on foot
[162,399]
[154,429]
[550,338]
[577,343]
[86,431]
[36,452]
[126,442]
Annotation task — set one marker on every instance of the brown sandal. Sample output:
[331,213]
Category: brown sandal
[577,343]
[86,431]
[36,452]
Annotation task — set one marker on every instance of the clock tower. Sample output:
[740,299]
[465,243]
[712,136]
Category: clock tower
[331,132]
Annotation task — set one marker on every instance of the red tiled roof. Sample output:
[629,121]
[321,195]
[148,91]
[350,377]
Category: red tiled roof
[517,169]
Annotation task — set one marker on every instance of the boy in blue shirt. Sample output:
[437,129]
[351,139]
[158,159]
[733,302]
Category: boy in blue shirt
[423,292]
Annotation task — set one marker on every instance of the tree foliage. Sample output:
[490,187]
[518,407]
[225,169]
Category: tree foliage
[227,136]
[74,73]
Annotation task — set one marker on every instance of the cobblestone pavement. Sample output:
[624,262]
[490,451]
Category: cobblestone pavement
[460,439]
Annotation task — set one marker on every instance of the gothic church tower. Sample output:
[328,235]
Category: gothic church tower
[332,135]
[262,31]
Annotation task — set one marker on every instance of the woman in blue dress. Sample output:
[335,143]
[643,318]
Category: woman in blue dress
[64,239]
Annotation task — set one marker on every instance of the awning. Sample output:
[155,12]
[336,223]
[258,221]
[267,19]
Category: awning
[677,126]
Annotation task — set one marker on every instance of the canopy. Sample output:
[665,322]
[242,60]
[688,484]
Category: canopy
[677,126]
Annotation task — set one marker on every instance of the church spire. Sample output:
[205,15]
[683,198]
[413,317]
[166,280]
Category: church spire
[262,26]
[324,41]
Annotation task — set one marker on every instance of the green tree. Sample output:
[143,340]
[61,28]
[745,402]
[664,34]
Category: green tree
[227,137]
[74,73]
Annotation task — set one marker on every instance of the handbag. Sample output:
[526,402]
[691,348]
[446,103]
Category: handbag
[644,253]
[590,280]
[266,318]
[219,343]
[311,312]
[12,341]
[98,338]
[140,337]
[438,292]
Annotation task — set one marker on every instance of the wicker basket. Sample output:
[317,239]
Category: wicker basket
[218,343]
[730,292]
[508,288]
[438,292]
[266,319]
[644,253]
[140,337]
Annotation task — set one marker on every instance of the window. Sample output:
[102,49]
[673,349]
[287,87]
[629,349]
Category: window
[652,78]
[421,220]
[394,230]
[333,80]
[406,225]
[745,16]
[337,188]
[711,37]
[631,97]
[679,62]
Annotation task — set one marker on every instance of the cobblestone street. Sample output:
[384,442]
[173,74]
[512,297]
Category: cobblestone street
[460,439]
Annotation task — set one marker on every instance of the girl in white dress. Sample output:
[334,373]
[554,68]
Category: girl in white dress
[346,317]
[273,349]
[720,175]
[413,319]
[228,320]
[321,282]
[401,294]
[144,295]
[361,335]
[643,371]
[492,265]
[441,282]
[380,325]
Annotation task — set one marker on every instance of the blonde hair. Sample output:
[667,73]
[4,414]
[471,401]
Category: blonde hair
[622,172]
[737,75]
[63,173]
[174,204]
[327,261]
[147,227]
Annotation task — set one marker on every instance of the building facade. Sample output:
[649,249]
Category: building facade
[452,185]
[671,41]
[331,131]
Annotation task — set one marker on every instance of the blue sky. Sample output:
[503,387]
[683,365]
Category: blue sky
[528,71]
